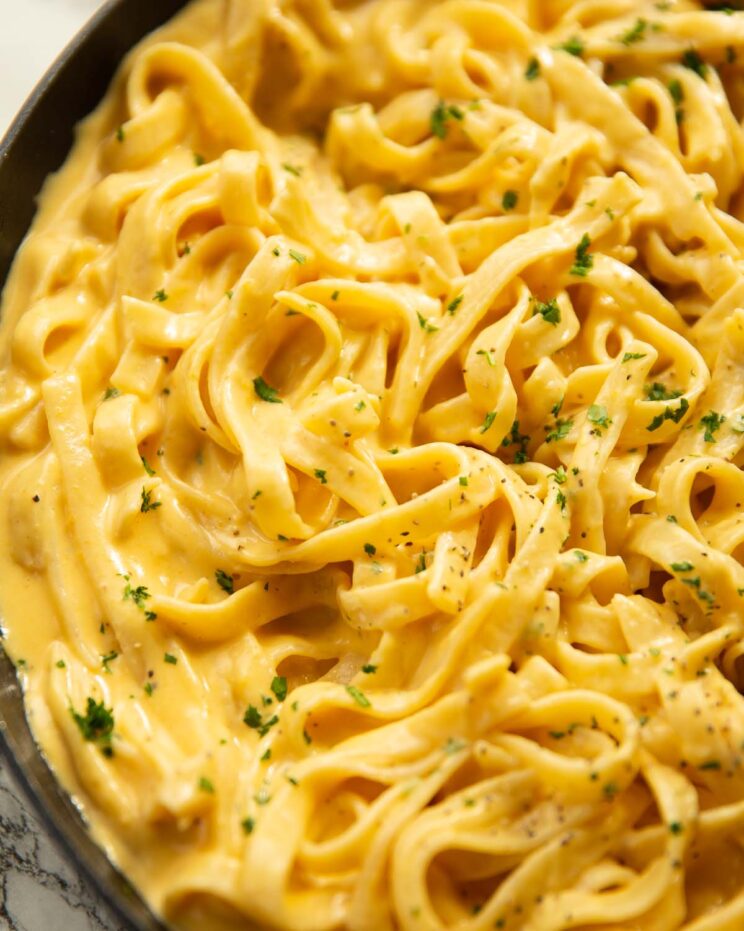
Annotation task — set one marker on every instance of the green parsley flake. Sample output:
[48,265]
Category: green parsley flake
[532,71]
[509,200]
[692,60]
[148,504]
[368,668]
[279,687]
[682,567]
[488,421]
[659,392]
[248,824]
[359,697]
[206,785]
[111,393]
[454,304]
[370,549]
[292,169]
[320,474]
[255,720]
[266,392]
[597,414]
[674,414]
[633,355]
[150,471]
[297,256]
[120,134]
[441,115]
[574,46]
[108,658]
[635,34]
[583,261]
[550,312]
[160,295]
[425,325]
[225,581]
[712,422]
[96,725]
[560,430]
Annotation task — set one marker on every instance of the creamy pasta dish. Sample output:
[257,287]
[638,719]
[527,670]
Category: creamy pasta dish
[372,423]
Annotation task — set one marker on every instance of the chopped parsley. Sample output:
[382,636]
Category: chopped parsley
[425,325]
[532,71]
[335,296]
[370,549]
[292,169]
[550,312]
[147,467]
[488,421]
[206,785]
[111,393]
[710,764]
[509,200]
[561,499]
[441,115]
[108,658]
[692,60]
[61,664]
[160,295]
[368,668]
[712,422]
[635,34]
[248,824]
[486,353]
[584,261]
[515,438]
[559,476]
[359,697]
[320,474]
[138,595]
[677,91]
[255,720]
[454,304]
[297,256]
[225,581]
[659,392]
[574,46]
[597,414]
[170,659]
[266,392]
[198,159]
[96,725]
[676,827]
[120,134]
[633,355]
[670,414]
[560,430]
[147,503]
[463,481]
[682,567]
[279,687]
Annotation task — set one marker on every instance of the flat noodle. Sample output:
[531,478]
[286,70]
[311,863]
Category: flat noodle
[372,416]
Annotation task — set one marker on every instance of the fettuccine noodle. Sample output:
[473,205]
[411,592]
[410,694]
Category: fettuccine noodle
[372,416]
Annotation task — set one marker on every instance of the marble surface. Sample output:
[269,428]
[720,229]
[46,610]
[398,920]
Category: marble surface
[40,890]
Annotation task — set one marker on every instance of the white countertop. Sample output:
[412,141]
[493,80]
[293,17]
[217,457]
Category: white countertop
[39,889]
[32,35]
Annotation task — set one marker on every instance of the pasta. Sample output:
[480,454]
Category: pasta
[372,416]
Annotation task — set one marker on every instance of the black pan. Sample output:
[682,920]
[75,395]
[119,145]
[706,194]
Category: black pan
[36,144]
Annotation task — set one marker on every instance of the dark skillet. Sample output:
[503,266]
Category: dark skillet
[37,144]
